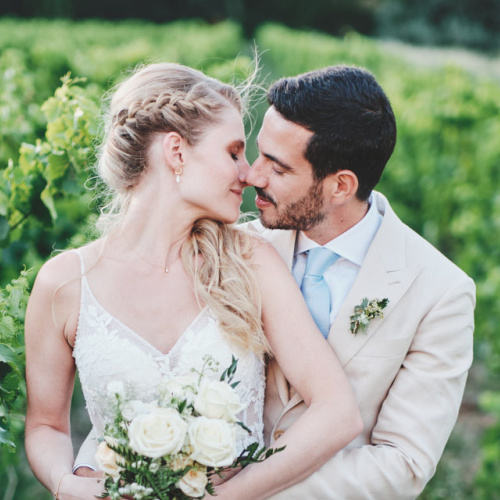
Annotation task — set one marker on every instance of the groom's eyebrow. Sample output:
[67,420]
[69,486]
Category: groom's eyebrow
[274,159]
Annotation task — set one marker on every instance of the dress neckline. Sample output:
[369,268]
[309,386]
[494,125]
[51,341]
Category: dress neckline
[136,335]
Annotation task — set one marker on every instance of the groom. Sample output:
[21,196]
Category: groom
[323,145]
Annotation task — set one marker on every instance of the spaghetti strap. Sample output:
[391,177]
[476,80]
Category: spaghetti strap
[82,262]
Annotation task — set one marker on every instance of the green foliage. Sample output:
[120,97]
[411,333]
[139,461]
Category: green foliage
[50,169]
[100,51]
[290,52]
[13,300]
[488,477]
[21,118]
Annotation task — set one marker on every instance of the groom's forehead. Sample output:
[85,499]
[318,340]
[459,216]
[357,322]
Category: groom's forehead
[275,124]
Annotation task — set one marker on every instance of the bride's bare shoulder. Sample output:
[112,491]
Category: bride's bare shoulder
[65,266]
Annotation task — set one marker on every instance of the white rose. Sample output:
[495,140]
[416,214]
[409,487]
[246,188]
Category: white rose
[213,442]
[158,433]
[218,400]
[182,387]
[108,461]
[133,408]
[193,483]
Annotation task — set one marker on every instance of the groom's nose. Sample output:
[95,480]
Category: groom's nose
[256,175]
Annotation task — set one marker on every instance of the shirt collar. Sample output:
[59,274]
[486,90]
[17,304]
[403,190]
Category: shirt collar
[354,243]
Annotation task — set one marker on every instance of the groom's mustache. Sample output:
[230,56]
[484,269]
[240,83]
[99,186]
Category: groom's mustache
[263,195]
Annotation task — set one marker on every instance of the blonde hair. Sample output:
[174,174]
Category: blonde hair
[169,97]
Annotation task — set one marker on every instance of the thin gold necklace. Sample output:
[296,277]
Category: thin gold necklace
[164,268]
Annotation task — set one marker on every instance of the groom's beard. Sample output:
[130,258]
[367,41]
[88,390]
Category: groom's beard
[302,214]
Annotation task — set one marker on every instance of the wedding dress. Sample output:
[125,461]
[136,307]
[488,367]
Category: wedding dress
[106,351]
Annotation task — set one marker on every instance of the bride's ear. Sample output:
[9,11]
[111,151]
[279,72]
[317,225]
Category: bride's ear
[173,148]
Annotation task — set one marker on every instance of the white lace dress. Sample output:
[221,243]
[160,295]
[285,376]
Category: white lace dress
[106,350]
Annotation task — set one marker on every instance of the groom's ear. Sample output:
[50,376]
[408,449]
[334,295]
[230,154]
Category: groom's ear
[342,186]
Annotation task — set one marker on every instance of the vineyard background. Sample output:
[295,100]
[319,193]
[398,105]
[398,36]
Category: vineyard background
[443,180]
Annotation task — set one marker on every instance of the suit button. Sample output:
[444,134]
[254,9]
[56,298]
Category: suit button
[278,434]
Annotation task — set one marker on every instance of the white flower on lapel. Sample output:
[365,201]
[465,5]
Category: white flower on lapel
[365,312]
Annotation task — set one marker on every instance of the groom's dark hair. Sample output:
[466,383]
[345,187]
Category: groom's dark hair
[351,117]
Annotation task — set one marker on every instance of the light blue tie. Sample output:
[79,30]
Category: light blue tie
[315,289]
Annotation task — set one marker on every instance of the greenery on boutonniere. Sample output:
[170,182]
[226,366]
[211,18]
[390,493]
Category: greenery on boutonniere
[365,312]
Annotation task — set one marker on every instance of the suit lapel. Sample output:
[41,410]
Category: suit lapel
[283,242]
[384,274]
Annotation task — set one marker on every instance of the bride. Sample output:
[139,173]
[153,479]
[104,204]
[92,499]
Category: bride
[170,281]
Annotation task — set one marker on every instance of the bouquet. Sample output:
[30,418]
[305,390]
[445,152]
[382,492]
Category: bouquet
[171,448]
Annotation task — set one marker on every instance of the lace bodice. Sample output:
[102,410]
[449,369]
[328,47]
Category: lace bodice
[106,350]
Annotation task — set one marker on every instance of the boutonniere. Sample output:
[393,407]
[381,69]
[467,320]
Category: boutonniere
[365,312]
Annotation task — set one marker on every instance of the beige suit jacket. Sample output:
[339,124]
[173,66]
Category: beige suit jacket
[408,370]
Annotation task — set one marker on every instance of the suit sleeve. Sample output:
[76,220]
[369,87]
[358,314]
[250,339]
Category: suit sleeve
[86,453]
[416,417]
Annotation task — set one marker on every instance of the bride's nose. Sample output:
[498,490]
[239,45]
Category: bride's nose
[243,167]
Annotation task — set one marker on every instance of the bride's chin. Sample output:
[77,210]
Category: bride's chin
[229,219]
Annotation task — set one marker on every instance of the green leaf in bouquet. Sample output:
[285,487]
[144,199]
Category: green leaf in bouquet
[182,406]
[164,483]
[210,488]
[253,454]
[229,372]
[243,426]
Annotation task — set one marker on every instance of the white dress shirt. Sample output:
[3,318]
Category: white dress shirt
[352,247]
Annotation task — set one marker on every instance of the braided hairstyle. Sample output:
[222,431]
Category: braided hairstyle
[162,97]
[170,97]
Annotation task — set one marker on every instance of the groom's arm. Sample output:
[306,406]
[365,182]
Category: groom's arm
[85,463]
[415,419]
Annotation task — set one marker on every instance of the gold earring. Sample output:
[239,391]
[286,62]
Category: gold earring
[178,175]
